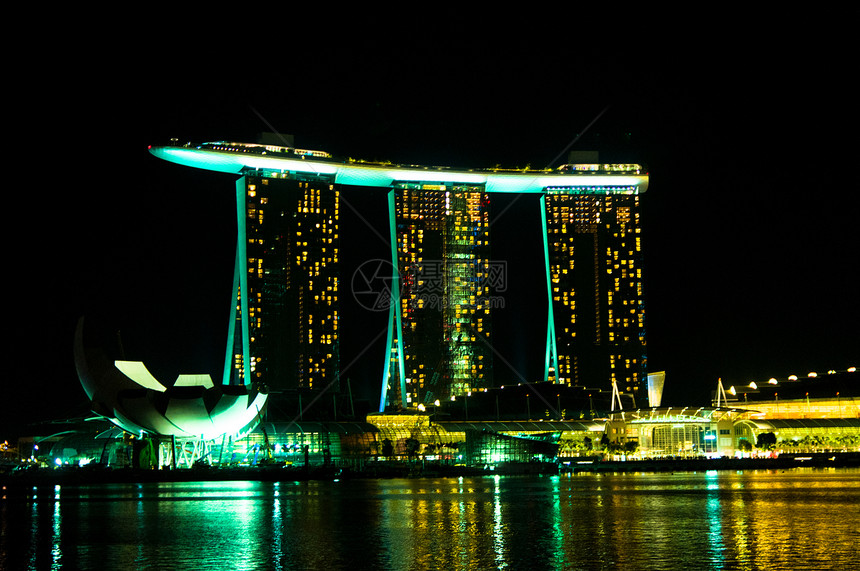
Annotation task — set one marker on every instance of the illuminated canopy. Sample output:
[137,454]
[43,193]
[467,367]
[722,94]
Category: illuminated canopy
[236,157]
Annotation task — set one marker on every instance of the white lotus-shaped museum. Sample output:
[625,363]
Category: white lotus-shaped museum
[127,394]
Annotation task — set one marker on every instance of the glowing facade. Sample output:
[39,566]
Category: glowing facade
[439,341]
[439,333]
[191,406]
[593,248]
[285,330]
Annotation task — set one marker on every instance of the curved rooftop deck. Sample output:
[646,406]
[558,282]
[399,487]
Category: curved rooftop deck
[236,158]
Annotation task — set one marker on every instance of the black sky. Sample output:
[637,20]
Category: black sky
[748,127]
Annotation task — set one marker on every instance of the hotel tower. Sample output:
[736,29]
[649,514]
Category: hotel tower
[596,324]
[283,331]
[439,340]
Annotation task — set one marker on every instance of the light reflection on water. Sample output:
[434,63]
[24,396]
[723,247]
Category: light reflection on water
[752,520]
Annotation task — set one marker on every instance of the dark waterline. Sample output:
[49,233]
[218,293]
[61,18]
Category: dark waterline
[795,519]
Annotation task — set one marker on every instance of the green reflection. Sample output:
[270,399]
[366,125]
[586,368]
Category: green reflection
[755,520]
[715,523]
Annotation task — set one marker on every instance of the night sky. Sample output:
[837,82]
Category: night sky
[748,128]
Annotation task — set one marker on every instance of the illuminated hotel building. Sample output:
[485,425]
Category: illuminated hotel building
[439,335]
[283,330]
[284,326]
[593,248]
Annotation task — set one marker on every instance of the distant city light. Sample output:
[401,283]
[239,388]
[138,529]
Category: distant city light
[811,374]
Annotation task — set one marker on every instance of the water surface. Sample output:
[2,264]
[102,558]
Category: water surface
[795,519]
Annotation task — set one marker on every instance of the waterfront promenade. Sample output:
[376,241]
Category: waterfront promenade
[392,469]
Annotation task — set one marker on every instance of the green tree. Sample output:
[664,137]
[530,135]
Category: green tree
[411,448]
[766,441]
[604,443]
[630,447]
[787,443]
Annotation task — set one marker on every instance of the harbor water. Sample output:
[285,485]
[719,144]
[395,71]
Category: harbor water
[759,519]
